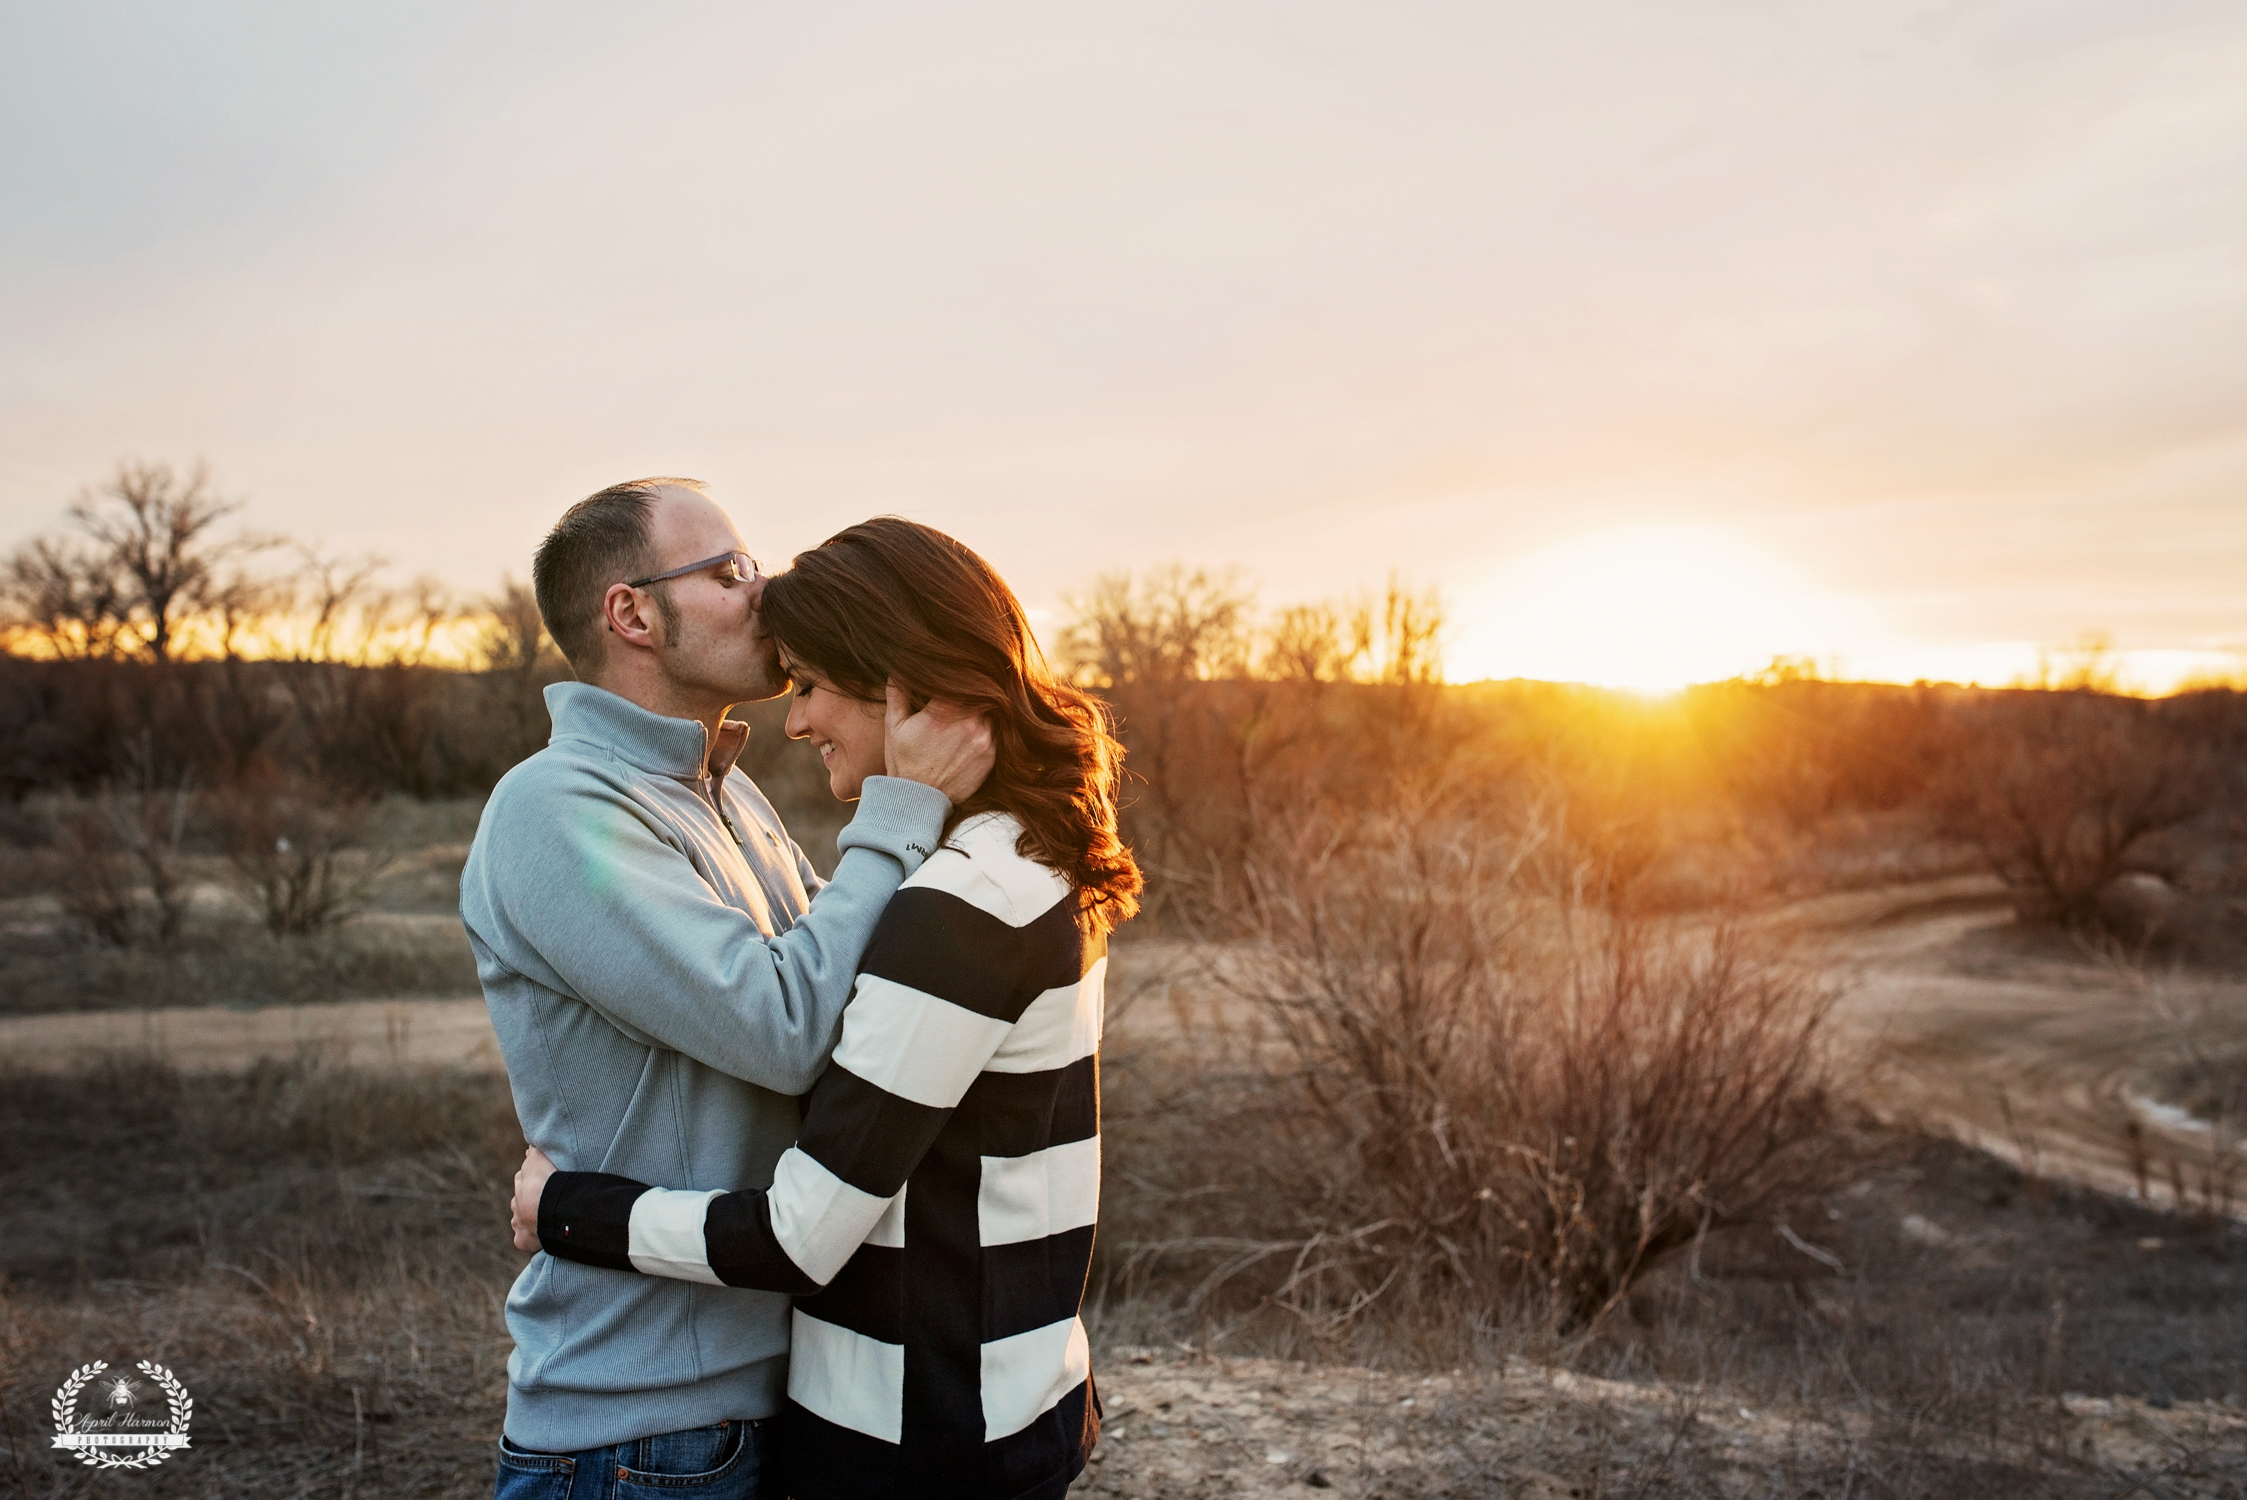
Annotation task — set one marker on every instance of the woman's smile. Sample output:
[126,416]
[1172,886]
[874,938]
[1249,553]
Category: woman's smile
[850,733]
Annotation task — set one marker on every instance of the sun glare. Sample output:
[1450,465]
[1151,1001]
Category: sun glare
[1648,608]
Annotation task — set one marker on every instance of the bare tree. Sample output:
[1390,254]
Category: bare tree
[153,525]
[333,593]
[511,635]
[66,599]
[1308,644]
[240,602]
[148,566]
[1172,626]
[1411,635]
[518,659]
[1395,637]
[422,609]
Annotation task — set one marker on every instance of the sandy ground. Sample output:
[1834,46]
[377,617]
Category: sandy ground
[1187,1426]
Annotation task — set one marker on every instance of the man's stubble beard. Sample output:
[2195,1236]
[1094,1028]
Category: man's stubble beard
[756,684]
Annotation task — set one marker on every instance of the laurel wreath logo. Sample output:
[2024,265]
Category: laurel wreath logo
[179,1405]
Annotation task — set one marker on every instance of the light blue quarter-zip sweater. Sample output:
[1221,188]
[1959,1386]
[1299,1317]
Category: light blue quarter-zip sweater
[663,984]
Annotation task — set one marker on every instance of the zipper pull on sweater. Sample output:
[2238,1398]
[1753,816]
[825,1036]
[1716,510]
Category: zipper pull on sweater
[714,793]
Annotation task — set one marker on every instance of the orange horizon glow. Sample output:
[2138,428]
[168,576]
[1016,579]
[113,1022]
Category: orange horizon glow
[1656,609]
[1648,608]
[2149,673]
[1651,610]
[458,642]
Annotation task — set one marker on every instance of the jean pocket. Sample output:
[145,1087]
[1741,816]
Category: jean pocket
[718,1463]
[532,1476]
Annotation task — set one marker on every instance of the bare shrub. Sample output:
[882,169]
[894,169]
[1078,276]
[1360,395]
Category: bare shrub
[300,849]
[122,875]
[2064,793]
[155,819]
[94,876]
[1511,1093]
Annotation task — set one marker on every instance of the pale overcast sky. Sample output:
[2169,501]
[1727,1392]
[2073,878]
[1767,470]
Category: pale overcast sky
[1941,307]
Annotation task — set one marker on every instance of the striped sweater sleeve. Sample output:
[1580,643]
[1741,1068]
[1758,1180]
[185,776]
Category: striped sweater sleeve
[939,989]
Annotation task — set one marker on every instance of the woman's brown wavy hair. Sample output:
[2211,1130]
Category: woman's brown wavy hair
[891,598]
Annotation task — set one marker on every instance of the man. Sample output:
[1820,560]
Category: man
[666,972]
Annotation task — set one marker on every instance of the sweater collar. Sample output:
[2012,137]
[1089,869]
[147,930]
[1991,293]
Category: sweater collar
[651,742]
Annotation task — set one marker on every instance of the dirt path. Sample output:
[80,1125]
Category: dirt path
[2063,1062]
[406,1032]
[2035,1052]
[417,1031]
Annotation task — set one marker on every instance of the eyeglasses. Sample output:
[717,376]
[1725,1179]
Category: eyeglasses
[740,567]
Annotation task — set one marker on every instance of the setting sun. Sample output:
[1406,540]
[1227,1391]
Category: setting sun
[1651,608]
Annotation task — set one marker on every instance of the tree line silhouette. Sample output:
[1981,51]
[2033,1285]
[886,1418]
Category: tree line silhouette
[153,654]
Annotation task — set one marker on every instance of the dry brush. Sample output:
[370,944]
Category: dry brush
[1493,1098]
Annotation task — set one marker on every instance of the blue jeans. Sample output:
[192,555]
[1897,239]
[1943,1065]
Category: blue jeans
[724,1462]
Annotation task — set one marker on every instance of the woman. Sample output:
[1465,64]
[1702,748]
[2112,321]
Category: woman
[935,1216]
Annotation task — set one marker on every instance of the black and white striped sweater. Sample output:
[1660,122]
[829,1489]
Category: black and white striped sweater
[935,1217]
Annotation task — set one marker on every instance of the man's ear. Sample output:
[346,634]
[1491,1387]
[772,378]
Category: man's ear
[628,617]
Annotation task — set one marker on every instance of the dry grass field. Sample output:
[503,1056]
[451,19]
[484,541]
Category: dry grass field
[1598,1123]
[406,939]
[314,1245]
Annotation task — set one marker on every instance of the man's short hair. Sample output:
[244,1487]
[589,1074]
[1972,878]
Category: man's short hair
[601,540]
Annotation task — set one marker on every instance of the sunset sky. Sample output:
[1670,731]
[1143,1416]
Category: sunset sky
[1905,334]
